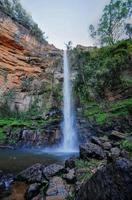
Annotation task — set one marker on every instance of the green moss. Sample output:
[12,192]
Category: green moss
[2,134]
[86,164]
[100,114]
[127,145]
[16,125]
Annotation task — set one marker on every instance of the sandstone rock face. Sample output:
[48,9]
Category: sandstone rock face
[112,182]
[27,67]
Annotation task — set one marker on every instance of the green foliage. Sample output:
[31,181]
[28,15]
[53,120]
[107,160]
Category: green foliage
[127,145]
[70,196]
[112,24]
[89,168]
[101,114]
[14,9]
[17,123]
[5,99]
[2,135]
[99,72]
[99,69]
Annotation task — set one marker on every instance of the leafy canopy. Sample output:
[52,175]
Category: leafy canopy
[114,23]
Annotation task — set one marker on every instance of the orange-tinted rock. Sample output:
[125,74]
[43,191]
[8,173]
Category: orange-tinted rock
[23,57]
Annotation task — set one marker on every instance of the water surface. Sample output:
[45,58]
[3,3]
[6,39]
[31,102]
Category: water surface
[14,161]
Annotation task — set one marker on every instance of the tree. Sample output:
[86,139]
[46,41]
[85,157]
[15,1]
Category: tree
[6,5]
[111,26]
[14,9]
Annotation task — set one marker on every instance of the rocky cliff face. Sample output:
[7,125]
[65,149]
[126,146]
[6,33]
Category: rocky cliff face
[30,72]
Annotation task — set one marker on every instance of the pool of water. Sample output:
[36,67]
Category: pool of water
[14,161]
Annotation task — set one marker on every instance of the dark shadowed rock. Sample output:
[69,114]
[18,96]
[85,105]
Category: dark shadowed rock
[70,163]
[32,191]
[112,182]
[32,174]
[96,140]
[6,181]
[52,170]
[57,189]
[90,150]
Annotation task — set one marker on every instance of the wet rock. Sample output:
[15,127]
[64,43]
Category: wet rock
[54,112]
[115,152]
[32,174]
[70,163]
[116,135]
[107,145]
[52,170]
[85,130]
[113,181]
[124,154]
[104,139]
[6,147]
[32,191]
[8,180]
[70,176]
[2,186]
[96,140]
[90,150]
[57,189]
[5,183]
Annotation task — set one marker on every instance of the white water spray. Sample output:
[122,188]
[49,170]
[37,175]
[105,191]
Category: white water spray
[69,133]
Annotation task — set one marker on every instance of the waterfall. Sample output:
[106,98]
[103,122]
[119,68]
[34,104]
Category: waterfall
[69,133]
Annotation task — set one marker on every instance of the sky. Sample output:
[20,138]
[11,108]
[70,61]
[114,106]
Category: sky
[66,20]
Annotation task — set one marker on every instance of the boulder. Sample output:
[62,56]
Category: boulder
[32,191]
[113,182]
[32,174]
[115,152]
[106,145]
[5,183]
[70,176]
[96,140]
[57,190]
[90,150]
[70,163]
[104,139]
[52,170]
[116,136]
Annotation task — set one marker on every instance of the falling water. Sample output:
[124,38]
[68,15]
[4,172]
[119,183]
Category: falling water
[69,133]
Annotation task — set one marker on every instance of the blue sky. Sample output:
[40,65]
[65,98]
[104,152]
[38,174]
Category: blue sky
[65,20]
